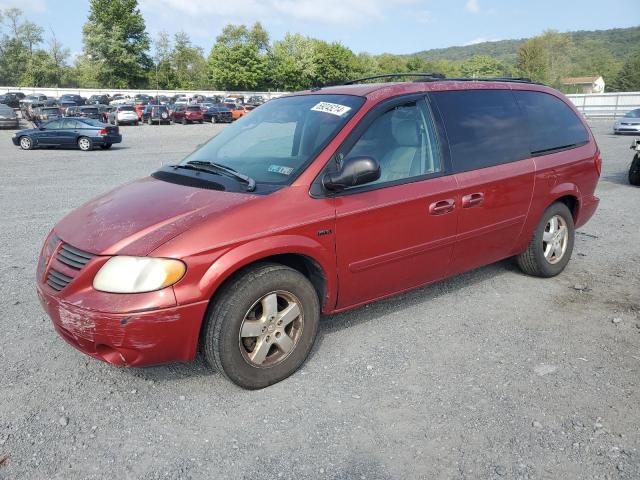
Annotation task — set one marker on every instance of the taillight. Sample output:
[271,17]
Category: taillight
[598,162]
[102,131]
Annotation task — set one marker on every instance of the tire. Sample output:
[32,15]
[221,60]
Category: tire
[26,143]
[149,121]
[200,121]
[634,171]
[213,119]
[136,123]
[184,121]
[106,146]
[533,260]
[85,144]
[229,353]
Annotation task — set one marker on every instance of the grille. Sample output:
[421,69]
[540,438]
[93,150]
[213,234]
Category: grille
[57,280]
[73,257]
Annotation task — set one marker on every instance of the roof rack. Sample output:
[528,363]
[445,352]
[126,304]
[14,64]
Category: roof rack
[426,76]
[437,77]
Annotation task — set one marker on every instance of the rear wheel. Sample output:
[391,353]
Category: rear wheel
[26,143]
[85,144]
[262,325]
[550,247]
[634,171]
[184,121]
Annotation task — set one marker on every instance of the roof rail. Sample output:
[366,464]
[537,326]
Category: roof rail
[426,76]
[437,77]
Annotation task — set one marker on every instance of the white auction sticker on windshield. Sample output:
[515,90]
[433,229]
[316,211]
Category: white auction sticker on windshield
[332,108]
[280,169]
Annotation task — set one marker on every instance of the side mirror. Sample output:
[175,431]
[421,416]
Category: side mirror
[355,171]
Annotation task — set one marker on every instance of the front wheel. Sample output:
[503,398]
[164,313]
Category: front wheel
[262,325]
[85,144]
[550,247]
[634,171]
[26,143]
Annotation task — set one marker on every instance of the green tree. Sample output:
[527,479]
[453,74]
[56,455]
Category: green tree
[485,66]
[188,64]
[595,58]
[238,60]
[628,78]
[333,63]
[115,45]
[546,58]
[18,42]
[291,65]
[532,60]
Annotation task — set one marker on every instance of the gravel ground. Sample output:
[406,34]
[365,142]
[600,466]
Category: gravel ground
[491,374]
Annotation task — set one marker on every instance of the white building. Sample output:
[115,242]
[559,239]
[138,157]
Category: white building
[584,84]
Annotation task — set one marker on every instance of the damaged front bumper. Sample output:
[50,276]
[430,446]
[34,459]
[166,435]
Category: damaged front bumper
[128,339]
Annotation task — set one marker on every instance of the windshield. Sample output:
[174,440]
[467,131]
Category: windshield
[90,110]
[278,140]
[633,114]
[126,109]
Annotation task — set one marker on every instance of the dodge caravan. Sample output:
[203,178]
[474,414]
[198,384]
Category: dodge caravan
[318,202]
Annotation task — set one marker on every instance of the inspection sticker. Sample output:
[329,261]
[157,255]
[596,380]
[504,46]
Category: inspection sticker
[279,169]
[332,108]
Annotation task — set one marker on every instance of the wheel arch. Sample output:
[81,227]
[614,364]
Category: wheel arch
[303,254]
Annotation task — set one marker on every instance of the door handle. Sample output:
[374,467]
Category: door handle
[442,206]
[472,200]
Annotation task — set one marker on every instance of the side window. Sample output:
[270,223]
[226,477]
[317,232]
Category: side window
[552,124]
[53,125]
[484,128]
[403,140]
[69,123]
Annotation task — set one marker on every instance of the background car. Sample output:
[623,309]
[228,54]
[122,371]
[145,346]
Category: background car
[123,114]
[187,114]
[217,113]
[11,100]
[69,97]
[98,99]
[156,114]
[237,110]
[8,117]
[139,108]
[255,100]
[84,133]
[43,114]
[65,106]
[629,123]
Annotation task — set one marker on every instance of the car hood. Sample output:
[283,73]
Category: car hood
[138,217]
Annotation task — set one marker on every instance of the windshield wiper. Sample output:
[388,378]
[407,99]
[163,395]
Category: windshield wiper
[220,169]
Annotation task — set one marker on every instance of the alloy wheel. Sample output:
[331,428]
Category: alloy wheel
[271,329]
[555,239]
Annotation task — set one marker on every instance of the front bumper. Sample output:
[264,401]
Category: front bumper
[128,339]
[619,128]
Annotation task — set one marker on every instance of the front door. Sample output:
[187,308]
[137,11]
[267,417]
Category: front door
[396,233]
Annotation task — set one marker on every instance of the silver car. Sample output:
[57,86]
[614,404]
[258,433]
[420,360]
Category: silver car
[630,123]
[8,117]
[123,114]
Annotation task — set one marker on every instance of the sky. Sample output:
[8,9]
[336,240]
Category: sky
[375,26]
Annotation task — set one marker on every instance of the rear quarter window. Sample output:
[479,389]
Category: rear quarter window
[484,128]
[553,125]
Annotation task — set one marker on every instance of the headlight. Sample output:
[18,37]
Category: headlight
[138,274]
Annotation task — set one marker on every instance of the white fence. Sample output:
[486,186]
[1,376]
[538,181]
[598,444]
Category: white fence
[87,92]
[605,105]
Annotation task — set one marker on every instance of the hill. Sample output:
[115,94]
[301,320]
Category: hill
[619,41]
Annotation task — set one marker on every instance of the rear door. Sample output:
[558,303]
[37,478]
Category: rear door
[396,233]
[488,142]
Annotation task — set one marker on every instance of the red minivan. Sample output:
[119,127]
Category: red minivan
[315,203]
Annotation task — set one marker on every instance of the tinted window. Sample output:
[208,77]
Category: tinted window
[126,109]
[403,141]
[55,124]
[89,110]
[552,124]
[70,124]
[484,128]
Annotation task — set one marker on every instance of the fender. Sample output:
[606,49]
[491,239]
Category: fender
[539,205]
[242,255]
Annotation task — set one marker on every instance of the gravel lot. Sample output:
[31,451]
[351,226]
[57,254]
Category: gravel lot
[491,374]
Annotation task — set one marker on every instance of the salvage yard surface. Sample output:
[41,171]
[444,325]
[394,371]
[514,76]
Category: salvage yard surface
[491,374]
